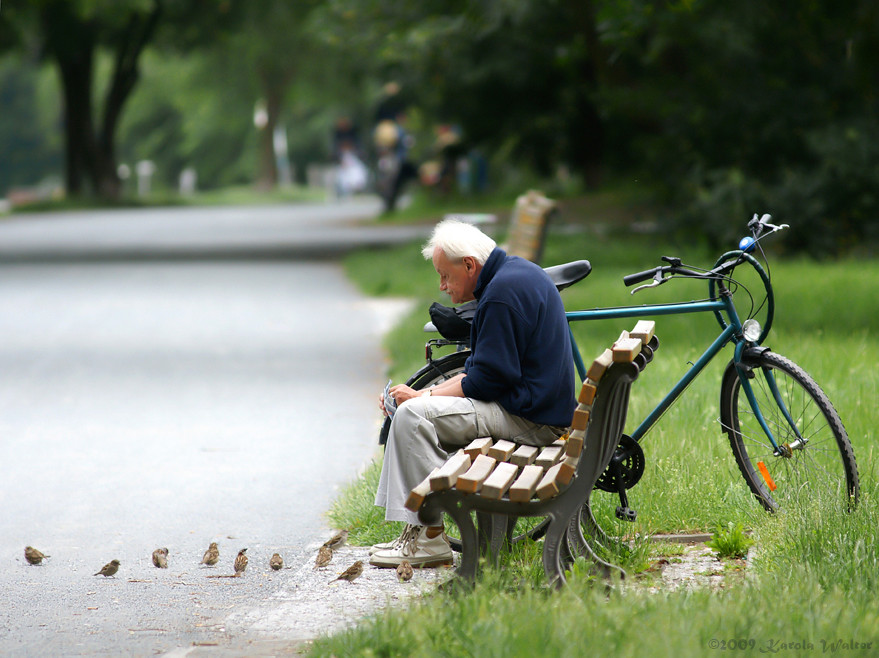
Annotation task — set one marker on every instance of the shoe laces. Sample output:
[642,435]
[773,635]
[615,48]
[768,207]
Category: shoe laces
[408,541]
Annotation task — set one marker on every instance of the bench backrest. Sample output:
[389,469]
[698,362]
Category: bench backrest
[528,226]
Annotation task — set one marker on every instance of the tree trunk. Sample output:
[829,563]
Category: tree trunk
[133,40]
[267,178]
[71,42]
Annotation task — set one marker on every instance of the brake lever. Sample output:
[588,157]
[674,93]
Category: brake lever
[658,280]
[775,228]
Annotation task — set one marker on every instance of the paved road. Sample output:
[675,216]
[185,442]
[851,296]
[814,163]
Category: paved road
[172,401]
[306,232]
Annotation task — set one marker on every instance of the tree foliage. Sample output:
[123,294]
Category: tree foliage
[725,108]
[73,34]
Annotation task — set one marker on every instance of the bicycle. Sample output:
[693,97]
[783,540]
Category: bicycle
[786,436]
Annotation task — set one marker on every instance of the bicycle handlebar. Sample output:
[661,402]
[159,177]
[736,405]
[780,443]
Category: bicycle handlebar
[756,226]
[638,277]
[658,273]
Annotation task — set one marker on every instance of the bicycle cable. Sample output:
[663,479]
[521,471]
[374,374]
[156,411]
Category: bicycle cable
[733,285]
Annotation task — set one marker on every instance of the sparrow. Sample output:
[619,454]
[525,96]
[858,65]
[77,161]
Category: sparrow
[212,555]
[276,562]
[240,562]
[33,556]
[109,569]
[404,571]
[160,558]
[324,556]
[351,573]
[337,540]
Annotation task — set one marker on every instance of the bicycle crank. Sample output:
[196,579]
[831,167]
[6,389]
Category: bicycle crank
[623,472]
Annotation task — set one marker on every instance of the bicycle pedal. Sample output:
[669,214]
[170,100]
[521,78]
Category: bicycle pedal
[626,514]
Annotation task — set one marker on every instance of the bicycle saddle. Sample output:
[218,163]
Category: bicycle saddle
[567,274]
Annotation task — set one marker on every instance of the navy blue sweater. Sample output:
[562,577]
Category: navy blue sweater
[521,344]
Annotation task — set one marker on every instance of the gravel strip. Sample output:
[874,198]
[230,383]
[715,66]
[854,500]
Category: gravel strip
[313,603]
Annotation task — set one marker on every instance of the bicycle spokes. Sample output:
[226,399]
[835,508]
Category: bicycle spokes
[787,438]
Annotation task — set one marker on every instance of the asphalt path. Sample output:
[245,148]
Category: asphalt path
[304,232]
[170,378]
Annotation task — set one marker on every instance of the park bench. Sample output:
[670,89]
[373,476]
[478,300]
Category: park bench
[529,224]
[501,481]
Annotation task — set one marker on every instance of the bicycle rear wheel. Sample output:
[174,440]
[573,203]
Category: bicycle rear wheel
[815,459]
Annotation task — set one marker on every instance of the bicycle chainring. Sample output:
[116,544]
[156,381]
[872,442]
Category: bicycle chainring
[626,466]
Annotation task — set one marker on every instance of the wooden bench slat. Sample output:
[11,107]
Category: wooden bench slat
[600,365]
[574,444]
[587,392]
[524,455]
[478,447]
[568,468]
[502,450]
[472,480]
[625,351]
[581,417]
[449,472]
[549,456]
[549,484]
[643,331]
[419,492]
[523,488]
[499,481]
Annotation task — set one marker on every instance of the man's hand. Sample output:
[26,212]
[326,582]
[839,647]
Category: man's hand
[399,394]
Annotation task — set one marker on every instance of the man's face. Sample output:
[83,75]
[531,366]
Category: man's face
[457,277]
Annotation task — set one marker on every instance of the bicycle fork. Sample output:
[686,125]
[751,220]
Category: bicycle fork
[746,374]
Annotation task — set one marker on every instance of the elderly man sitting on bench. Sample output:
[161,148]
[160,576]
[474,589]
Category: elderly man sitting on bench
[517,384]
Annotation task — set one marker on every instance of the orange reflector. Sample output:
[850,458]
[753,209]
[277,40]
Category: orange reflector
[766,476]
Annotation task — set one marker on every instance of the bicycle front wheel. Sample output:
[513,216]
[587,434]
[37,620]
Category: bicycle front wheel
[814,459]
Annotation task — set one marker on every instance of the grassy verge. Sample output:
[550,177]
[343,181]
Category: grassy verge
[236,195]
[812,577]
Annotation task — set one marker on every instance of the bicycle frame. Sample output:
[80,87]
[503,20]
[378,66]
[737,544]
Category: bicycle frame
[732,332]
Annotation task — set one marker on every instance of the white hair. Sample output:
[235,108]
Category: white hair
[457,239]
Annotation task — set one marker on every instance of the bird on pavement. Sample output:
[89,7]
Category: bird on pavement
[33,556]
[160,558]
[324,557]
[351,573]
[212,555]
[404,571]
[276,562]
[240,562]
[337,540]
[109,569]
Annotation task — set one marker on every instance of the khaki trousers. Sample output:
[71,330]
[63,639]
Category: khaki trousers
[425,431]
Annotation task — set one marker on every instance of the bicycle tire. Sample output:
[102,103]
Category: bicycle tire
[824,465]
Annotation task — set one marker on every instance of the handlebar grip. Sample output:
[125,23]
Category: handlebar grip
[638,277]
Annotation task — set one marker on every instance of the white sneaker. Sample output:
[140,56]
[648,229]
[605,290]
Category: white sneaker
[418,549]
[408,532]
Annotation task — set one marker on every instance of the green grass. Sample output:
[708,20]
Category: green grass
[813,572]
[731,541]
[426,205]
